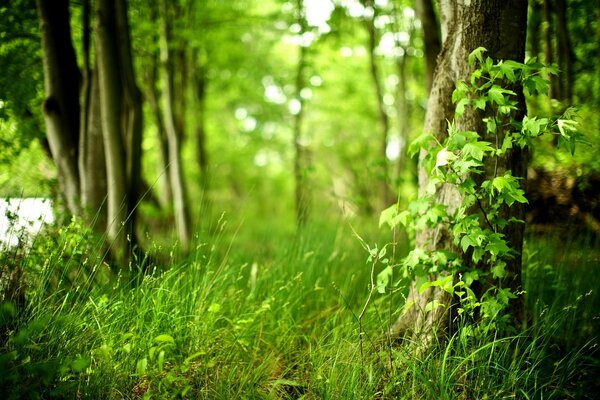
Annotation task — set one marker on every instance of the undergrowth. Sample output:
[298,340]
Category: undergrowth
[227,323]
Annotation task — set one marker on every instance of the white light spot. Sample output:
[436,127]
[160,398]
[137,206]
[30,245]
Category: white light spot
[346,52]
[316,80]
[294,106]
[241,113]
[249,124]
[306,93]
[388,99]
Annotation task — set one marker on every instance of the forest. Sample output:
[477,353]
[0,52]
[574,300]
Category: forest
[299,199]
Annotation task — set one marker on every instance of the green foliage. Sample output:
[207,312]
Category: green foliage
[477,223]
[283,326]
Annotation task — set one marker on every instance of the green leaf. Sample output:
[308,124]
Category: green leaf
[466,242]
[387,216]
[383,279]
[460,106]
[432,305]
[476,54]
[80,364]
[476,150]
[498,270]
[164,338]
[421,142]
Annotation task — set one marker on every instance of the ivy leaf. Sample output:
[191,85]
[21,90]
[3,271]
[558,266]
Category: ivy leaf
[497,246]
[498,270]
[508,70]
[460,106]
[421,142]
[466,242]
[477,150]
[476,54]
[383,279]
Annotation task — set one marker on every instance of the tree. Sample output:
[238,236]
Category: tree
[61,105]
[173,128]
[95,144]
[499,27]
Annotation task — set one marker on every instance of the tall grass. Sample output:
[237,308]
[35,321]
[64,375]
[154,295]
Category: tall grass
[276,319]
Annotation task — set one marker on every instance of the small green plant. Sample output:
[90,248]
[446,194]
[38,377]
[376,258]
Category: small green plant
[477,224]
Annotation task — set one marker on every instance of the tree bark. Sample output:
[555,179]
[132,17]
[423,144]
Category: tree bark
[131,118]
[61,105]
[500,27]
[92,166]
[180,206]
[565,51]
[92,160]
[431,35]
[111,103]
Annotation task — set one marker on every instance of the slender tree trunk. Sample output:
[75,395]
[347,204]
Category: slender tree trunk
[534,27]
[92,160]
[500,27]
[403,116]
[431,34]
[111,103]
[199,83]
[152,96]
[300,179]
[92,166]
[61,105]
[565,51]
[549,48]
[386,194]
[131,118]
[180,206]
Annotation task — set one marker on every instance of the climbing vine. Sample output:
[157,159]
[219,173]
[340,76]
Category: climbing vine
[481,249]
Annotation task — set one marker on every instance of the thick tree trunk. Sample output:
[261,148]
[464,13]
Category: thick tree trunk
[180,206]
[111,103]
[500,27]
[61,105]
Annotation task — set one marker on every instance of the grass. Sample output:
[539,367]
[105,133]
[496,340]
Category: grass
[275,318]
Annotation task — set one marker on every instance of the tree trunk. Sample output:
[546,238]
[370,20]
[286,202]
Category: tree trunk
[431,35]
[548,48]
[92,166]
[386,194]
[152,95]
[180,206]
[131,118]
[565,51]
[199,83]
[301,190]
[500,27]
[92,160]
[111,103]
[61,105]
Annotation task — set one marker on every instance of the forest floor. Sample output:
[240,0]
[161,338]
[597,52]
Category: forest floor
[260,314]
